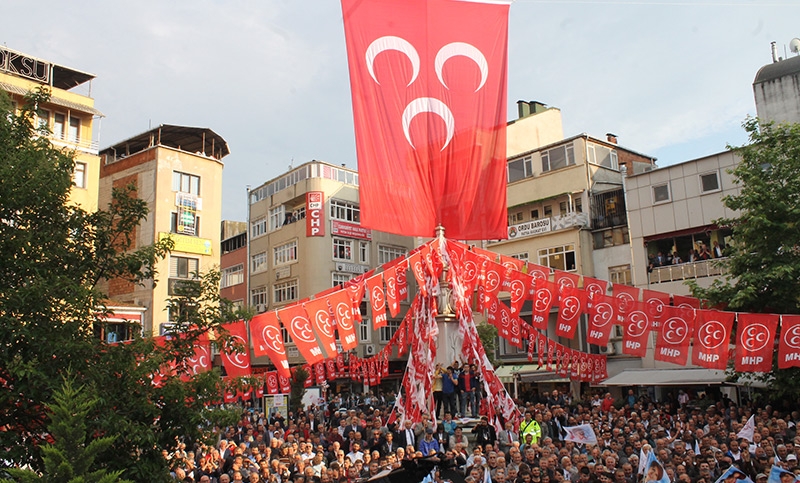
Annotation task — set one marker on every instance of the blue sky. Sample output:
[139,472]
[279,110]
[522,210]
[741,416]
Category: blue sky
[672,79]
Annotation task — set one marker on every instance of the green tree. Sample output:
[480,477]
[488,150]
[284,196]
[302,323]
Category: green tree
[488,335]
[53,254]
[763,261]
[71,457]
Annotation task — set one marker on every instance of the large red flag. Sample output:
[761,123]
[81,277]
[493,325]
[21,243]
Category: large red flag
[265,332]
[755,342]
[428,81]
[236,360]
[672,344]
[789,348]
[295,319]
[711,337]
[342,308]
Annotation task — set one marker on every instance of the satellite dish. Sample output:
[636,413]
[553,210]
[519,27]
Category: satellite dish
[794,45]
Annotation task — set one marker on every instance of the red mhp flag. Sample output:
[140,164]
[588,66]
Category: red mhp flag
[319,372]
[273,387]
[295,319]
[396,286]
[416,262]
[265,332]
[330,368]
[538,271]
[594,288]
[543,298]
[626,297]
[571,306]
[518,285]
[377,300]
[566,279]
[320,315]
[259,387]
[285,384]
[636,329]
[602,317]
[493,280]
[355,288]
[201,360]
[236,360]
[402,338]
[672,344]
[428,81]
[654,305]
[789,348]
[685,301]
[342,308]
[541,348]
[507,323]
[755,342]
[711,337]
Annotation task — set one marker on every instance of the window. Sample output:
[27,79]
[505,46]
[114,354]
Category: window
[709,182]
[343,249]
[341,210]
[258,227]
[189,223]
[276,217]
[558,158]
[562,208]
[186,183]
[548,211]
[258,297]
[661,193]
[534,214]
[620,275]
[520,169]
[602,156]
[388,253]
[340,278]
[515,218]
[521,256]
[559,258]
[388,331]
[43,119]
[74,129]
[79,175]
[183,267]
[59,124]
[578,204]
[364,332]
[258,262]
[232,276]
[363,252]
[284,292]
[285,253]
[611,237]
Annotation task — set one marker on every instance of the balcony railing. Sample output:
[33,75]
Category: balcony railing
[688,271]
[86,145]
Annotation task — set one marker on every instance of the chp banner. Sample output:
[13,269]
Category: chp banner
[428,82]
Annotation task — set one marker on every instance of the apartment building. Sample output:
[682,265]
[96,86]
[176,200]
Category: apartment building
[177,170]
[305,237]
[69,115]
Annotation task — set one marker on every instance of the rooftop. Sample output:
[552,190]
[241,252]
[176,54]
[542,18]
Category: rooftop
[198,140]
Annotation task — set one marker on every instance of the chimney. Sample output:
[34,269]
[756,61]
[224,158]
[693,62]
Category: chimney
[612,138]
[538,107]
[774,47]
[523,109]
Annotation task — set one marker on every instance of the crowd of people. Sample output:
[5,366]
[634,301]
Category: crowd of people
[353,440]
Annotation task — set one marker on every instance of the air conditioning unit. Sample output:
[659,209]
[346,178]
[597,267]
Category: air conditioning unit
[370,350]
[608,350]
[261,308]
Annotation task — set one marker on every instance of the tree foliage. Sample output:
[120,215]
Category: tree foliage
[488,335]
[763,264]
[53,254]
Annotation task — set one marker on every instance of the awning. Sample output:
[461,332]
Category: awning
[666,377]
[527,373]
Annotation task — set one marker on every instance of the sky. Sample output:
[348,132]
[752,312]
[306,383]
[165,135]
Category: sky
[672,79]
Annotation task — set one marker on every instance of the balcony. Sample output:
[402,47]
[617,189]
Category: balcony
[688,271]
[85,145]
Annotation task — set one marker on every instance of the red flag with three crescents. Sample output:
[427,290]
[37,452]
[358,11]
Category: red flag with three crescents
[755,342]
[341,306]
[236,353]
[711,338]
[428,82]
[789,347]
[295,320]
[676,331]
[571,306]
[265,332]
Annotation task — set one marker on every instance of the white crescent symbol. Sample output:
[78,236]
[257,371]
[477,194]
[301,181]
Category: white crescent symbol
[754,337]
[570,308]
[460,48]
[238,359]
[675,330]
[638,324]
[323,322]
[711,334]
[377,296]
[344,311]
[603,314]
[273,338]
[301,329]
[792,337]
[392,43]
[434,106]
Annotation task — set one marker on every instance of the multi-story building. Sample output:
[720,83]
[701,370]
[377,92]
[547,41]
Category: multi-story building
[775,89]
[306,237]
[177,170]
[233,263]
[566,210]
[68,115]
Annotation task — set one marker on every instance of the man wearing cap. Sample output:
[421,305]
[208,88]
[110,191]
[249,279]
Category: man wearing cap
[428,445]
